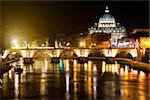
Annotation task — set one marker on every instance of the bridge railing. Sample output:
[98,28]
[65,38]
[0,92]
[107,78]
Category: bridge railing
[50,48]
[21,48]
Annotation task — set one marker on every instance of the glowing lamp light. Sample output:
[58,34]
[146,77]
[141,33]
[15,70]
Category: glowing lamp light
[15,43]
[81,44]
[141,50]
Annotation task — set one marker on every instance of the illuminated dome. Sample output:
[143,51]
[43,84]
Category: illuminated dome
[107,24]
[107,20]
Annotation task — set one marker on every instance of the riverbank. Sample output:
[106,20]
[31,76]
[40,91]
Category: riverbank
[135,64]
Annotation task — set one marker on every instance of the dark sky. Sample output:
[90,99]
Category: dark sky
[27,18]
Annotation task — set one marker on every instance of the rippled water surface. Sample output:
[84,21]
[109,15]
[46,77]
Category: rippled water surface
[70,80]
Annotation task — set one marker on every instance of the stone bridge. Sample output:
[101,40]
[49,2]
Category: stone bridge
[71,52]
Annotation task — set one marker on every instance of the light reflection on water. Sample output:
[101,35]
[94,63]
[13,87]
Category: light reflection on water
[70,80]
[16,85]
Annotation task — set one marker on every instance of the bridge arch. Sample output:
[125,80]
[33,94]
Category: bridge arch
[67,53]
[41,54]
[124,54]
[96,54]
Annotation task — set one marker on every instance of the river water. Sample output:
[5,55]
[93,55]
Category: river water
[70,80]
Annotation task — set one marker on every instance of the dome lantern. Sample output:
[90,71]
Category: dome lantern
[106,10]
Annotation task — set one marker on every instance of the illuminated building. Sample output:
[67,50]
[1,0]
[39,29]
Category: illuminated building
[82,41]
[140,30]
[101,40]
[144,42]
[107,25]
[128,43]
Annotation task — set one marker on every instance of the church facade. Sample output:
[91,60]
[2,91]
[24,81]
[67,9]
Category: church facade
[107,25]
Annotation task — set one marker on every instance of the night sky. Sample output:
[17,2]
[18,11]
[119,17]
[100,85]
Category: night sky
[38,18]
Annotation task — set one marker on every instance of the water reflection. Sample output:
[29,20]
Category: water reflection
[67,86]
[72,81]
[16,85]
[95,87]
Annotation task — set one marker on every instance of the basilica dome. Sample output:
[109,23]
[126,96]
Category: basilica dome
[107,24]
[107,20]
